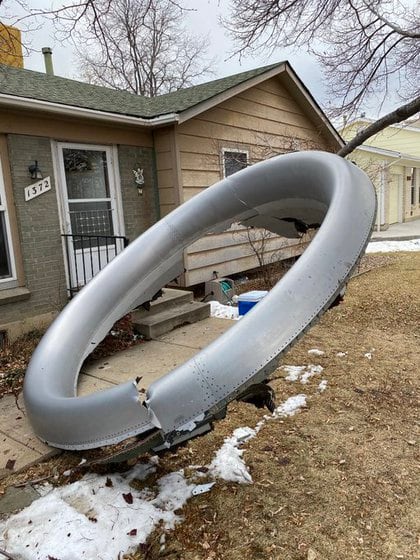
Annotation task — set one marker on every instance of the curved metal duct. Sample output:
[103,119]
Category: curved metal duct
[279,194]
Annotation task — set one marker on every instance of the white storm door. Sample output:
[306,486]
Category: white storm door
[92,213]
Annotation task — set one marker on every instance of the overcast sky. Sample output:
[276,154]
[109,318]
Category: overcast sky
[202,19]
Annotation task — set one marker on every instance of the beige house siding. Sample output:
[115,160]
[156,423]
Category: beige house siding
[392,182]
[397,138]
[397,203]
[263,121]
[72,129]
[168,169]
[412,211]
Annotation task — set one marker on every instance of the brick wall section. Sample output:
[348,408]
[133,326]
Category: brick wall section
[39,228]
[39,225]
[140,211]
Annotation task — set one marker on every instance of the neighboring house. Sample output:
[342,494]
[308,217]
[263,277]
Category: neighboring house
[392,159]
[104,165]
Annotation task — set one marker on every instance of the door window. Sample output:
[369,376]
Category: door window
[93,222]
[88,191]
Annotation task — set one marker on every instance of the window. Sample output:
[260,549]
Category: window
[233,161]
[7,265]
[413,186]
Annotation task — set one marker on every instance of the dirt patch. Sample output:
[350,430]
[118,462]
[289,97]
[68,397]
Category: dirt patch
[14,359]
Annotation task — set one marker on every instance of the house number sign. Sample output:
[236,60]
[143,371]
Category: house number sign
[40,187]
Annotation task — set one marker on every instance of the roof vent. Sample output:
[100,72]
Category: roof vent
[47,52]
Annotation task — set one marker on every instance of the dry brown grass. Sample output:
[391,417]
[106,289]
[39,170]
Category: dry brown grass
[339,481]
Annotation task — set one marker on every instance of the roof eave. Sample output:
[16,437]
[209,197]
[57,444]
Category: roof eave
[203,106]
[82,112]
[367,120]
[389,153]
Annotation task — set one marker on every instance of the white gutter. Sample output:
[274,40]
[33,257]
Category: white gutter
[389,153]
[57,108]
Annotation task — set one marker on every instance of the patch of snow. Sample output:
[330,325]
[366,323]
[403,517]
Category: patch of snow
[96,517]
[104,516]
[141,471]
[228,463]
[290,407]
[316,352]
[393,246]
[293,372]
[311,370]
[301,373]
[322,386]
[369,354]
[223,311]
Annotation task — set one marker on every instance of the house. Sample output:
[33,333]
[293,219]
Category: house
[392,160]
[85,169]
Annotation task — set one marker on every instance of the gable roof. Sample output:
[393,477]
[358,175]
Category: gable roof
[55,89]
[36,90]
[187,98]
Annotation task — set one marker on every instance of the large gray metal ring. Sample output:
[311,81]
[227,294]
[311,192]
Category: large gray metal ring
[313,187]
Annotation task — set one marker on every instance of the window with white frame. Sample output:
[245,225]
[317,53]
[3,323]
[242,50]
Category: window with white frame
[233,161]
[7,265]
[413,185]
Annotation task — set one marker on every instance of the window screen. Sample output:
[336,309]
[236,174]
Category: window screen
[234,161]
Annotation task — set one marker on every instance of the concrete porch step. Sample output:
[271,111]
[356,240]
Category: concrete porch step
[174,308]
[171,298]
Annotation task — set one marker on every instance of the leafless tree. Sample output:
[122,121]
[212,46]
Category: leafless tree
[366,47]
[136,45]
[143,48]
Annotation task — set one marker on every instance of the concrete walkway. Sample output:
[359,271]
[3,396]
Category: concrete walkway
[399,232]
[20,448]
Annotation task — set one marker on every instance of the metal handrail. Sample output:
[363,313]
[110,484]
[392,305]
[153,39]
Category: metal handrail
[98,251]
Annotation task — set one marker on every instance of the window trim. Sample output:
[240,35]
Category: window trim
[11,281]
[232,150]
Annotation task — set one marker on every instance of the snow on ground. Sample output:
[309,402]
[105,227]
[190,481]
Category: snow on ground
[103,516]
[301,373]
[316,352]
[96,517]
[393,246]
[322,386]
[223,311]
[228,462]
[290,407]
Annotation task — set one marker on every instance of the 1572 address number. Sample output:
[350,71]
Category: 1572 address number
[40,187]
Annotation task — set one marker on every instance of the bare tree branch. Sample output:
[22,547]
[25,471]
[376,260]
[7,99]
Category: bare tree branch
[390,24]
[142,47]
[364,46]
[397,116]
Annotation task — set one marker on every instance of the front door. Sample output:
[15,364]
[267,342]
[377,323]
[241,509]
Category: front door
[92,217]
